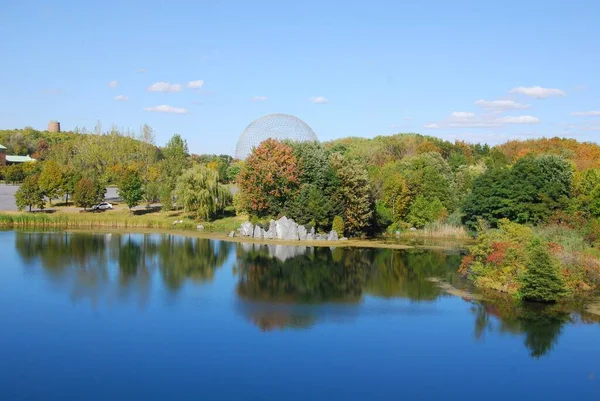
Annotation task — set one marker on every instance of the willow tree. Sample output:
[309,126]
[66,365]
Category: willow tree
[199,192]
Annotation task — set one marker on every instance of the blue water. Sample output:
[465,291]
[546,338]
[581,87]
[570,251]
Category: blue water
[160,317]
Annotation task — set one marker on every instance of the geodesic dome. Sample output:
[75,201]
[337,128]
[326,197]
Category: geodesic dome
[275,126]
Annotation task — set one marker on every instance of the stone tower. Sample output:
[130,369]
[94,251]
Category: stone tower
[54,126]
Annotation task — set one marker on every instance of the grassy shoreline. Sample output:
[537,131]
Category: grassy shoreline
[163,223]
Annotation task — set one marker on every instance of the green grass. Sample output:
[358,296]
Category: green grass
[439,230]
[91,220]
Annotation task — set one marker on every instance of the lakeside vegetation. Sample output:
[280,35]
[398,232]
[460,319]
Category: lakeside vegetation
[524,201]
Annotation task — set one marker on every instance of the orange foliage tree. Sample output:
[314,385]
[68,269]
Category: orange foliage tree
[268,178]
[585,155]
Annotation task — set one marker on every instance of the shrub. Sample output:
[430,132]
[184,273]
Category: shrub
[338,225]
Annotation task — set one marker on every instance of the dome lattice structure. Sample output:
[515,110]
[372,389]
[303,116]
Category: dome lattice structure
[275,126]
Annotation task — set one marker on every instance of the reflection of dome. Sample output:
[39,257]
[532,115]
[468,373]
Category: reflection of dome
[276,126]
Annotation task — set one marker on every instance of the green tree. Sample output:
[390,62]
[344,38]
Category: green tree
[131,188]
[430,176]
[151,192]
[233,170]
[595,202]
[310,206]
[88,193]
[165,195]
[176,158]
[50,180]
[199,192]
[314,159]
[396,195]
[14,173]
[29,194]
[541,282]
[423,211]
[354,192]
[529,192]
[69,181]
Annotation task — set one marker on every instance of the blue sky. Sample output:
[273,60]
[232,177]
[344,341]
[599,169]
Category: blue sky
[475,70]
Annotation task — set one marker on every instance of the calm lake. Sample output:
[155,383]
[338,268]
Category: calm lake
[164,317]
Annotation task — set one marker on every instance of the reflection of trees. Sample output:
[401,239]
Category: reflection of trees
[84,262]
[183,258]
[404,273]
[322,275]
[541,324]
[310,278]
[340,275]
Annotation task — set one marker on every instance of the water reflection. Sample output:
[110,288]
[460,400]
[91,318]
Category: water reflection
[541,325]
[276,286]
[121,265]
[297,277]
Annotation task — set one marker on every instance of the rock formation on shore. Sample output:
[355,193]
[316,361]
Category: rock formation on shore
[283,229]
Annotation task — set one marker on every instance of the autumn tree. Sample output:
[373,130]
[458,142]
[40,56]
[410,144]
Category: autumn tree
[268,177]
[354,193]
[51,179]
[88,193]
[199,192]
[29,194]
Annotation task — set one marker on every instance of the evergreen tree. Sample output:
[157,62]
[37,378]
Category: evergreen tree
[541,282]
[310,206]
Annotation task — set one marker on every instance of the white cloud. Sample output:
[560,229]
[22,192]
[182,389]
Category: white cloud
[258,98]
[592,113]
[163,108]
[520,120]
[121,97]
[463,119]
[500,105]
[408,118]
[319,100]
[140,70]
[164,87]
[462,115]
[195,84]
[113,84]
[538,92]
